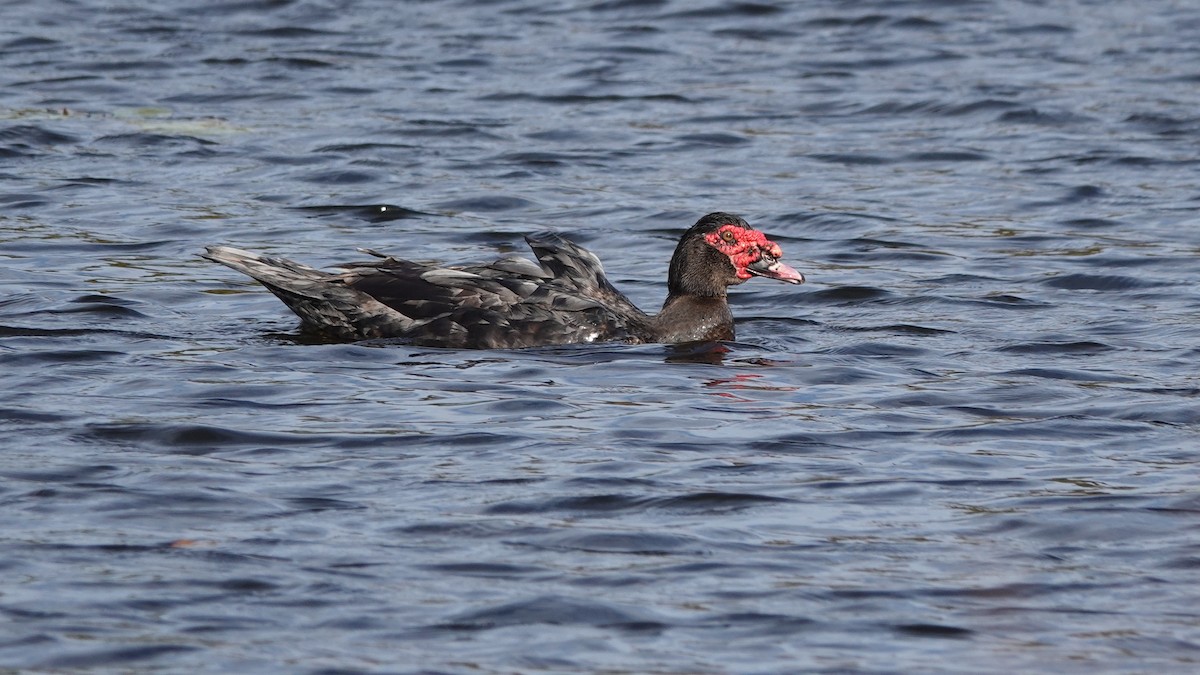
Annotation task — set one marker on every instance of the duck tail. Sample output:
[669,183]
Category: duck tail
[323,301]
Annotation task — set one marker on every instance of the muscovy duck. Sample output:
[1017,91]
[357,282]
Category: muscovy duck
[513,303]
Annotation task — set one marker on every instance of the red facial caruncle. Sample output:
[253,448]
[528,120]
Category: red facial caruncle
[743,246]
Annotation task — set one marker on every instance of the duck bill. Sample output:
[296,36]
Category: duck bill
[771,268]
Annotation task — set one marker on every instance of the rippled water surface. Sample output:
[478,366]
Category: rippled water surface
[970,443]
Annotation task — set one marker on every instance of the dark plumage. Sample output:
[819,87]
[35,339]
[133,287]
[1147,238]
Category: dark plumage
[513,303]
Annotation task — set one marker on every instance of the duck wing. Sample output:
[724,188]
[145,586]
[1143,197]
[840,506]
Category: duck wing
[510,303]
[578,269]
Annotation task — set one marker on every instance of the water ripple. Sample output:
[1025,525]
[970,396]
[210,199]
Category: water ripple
[973,428]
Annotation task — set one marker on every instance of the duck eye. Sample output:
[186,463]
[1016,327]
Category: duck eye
[727,237]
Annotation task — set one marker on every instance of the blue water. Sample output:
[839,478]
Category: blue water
[970,443]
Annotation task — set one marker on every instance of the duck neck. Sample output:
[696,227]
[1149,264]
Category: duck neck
[696,308]
[693,318]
